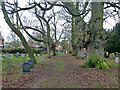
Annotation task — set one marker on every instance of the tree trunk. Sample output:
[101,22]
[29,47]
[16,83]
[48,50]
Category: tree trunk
[19,34]
[95,46]
[74,51]
[80,53]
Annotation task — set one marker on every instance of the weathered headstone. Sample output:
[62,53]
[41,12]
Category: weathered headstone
[16,63]
[23,59]
[14,55]
[9,56]
[10,68]
[117,59]
[26,67]
[42,58]
[17,55]
[1,53]
[5,55]
[112,56]
[106,54]
[31,61]
[22,55]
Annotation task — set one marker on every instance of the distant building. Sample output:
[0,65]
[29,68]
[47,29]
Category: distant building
[1,41]
[59,47]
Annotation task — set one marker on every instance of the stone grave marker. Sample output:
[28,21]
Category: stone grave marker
[26,67]
[17,63]
[9,56]
[1,53]
[42,58]
[112,56]
[22,55]
[10,68]
[5,55]
[14,55]
[23,59]
[117,59]
[17,55]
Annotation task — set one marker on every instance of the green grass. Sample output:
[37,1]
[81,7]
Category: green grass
[112,63]
[41,60]
[44,54]
[61,54]
[60,67]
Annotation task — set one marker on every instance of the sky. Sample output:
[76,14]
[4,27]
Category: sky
[6,30]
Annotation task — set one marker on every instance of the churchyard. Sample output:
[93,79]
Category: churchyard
[56,68]
[58,44]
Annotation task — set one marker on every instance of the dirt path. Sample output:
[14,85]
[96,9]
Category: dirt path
[66,72]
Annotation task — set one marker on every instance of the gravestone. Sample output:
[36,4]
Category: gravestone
[26,67]
[9,56]
[22,55]
[17,63]
[23,59]
[42,58]
[10,68]
[6,55]
[112,56]
[17,55]
[117,59]
[106,54]
[14,55]
[31,61]
[1,53]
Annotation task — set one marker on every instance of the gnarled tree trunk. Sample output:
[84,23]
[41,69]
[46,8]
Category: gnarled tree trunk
[96,27]
[17,32]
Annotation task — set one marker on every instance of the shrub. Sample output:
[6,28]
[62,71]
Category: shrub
[95,62]
[3,56]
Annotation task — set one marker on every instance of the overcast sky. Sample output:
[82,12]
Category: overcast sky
[6,30]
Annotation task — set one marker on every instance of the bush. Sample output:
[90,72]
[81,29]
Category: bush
[21,50]
[95,62]
[3,56]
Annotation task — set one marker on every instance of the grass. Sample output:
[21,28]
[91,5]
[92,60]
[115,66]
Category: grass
[112,62]
[41,59]
[61,54]
[60,67]
[44,54]
[17,63]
